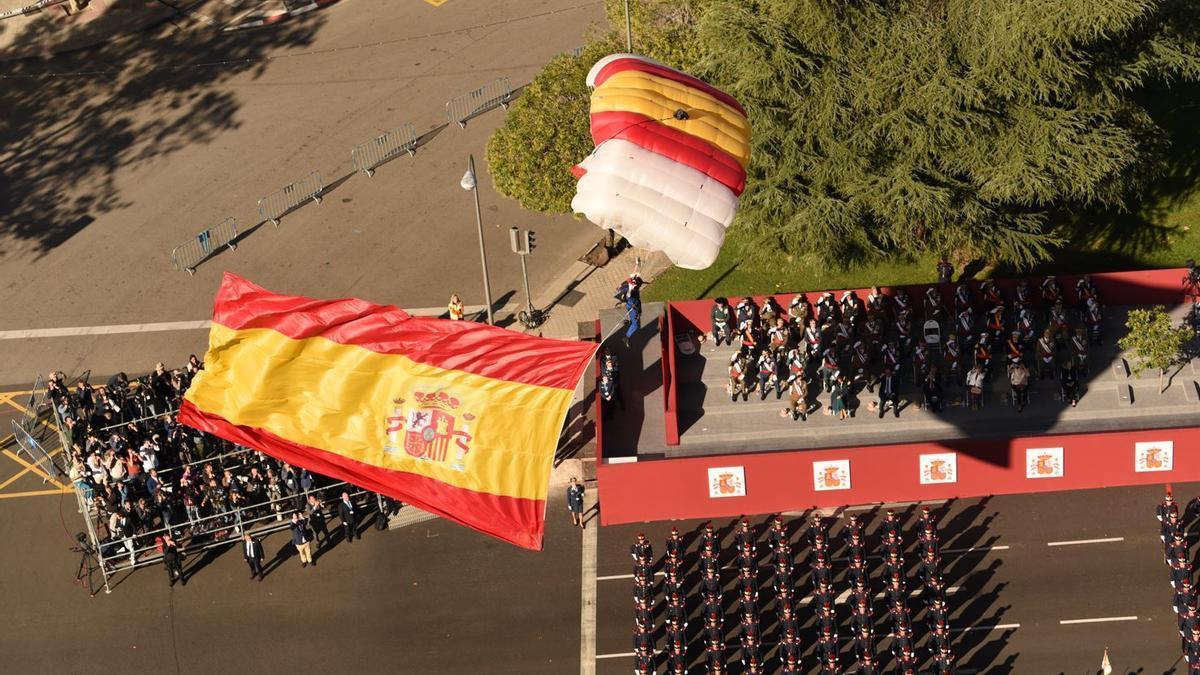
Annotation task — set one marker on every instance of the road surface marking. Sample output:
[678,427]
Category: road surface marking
[35,493]
[998,626]
[33,468]
[587,619]
[1084,541]
[120,329]
[975,550]
[845,595]
[77,331]
[622,655]
[611,577]
[1100,620]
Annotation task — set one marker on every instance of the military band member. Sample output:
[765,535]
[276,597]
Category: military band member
[722,322]
[714,655]
[744,537]
[864,642]
[674,543]
[867,665]
[643,663]
[641,549]
[708,538]
[1165,507]
[791,665]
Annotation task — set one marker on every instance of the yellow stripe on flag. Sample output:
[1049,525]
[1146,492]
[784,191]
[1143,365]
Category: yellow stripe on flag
[343,398]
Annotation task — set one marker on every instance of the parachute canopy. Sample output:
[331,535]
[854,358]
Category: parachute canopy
[670,158]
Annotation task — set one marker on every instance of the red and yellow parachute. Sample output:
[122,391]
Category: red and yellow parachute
[670,158]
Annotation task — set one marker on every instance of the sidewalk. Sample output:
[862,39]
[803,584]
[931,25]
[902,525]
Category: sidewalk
[581,291]
[53,29]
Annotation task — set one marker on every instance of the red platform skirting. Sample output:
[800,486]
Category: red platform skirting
[783,481]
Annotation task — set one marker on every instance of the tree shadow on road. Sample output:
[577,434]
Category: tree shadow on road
[72,120]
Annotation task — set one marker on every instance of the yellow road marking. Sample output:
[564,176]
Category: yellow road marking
[8,482]
[436,3]
[35,493]
[31,467]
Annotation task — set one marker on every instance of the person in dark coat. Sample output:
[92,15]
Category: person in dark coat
[172,560]
[575,502]
[252,552]
[348,512]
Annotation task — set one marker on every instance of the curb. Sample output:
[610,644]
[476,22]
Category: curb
[279,16]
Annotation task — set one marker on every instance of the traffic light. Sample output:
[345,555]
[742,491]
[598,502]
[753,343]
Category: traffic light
[529,242]
[514,239]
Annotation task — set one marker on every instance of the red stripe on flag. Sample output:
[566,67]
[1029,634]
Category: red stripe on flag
[512,519]
[671,143]
[618,65]
[452,345]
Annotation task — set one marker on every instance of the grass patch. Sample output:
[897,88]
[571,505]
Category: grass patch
[1163,234]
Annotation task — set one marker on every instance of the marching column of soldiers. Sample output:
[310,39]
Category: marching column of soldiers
[790,637]
[1175,553]
[847,345]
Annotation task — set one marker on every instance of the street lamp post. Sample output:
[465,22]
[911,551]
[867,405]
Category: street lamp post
[469,182]
[628,30]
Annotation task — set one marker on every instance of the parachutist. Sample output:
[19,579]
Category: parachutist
[681,114]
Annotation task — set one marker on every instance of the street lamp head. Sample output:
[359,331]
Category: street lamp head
[468,180]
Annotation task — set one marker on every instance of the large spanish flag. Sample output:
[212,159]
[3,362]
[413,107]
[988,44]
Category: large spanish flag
[458,418]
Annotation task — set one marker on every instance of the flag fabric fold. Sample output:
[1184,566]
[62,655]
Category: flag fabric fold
[458,418]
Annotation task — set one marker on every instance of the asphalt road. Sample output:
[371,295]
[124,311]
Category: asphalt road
[106,172]
[1013,581]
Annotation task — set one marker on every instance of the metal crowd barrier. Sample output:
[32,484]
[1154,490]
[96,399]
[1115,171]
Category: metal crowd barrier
[37,454]
[186,256]
[118,554]
[277,204]
[494,94]
[367,156]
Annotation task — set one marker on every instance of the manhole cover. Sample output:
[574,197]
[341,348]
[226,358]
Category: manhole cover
[570,298]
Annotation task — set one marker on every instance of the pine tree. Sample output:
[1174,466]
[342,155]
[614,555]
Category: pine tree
[892,127]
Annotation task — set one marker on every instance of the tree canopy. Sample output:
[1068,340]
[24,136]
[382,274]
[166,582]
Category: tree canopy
[891,127]
[1154,340]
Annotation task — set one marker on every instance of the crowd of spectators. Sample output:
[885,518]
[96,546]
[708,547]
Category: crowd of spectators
[954,336]
[142,474]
